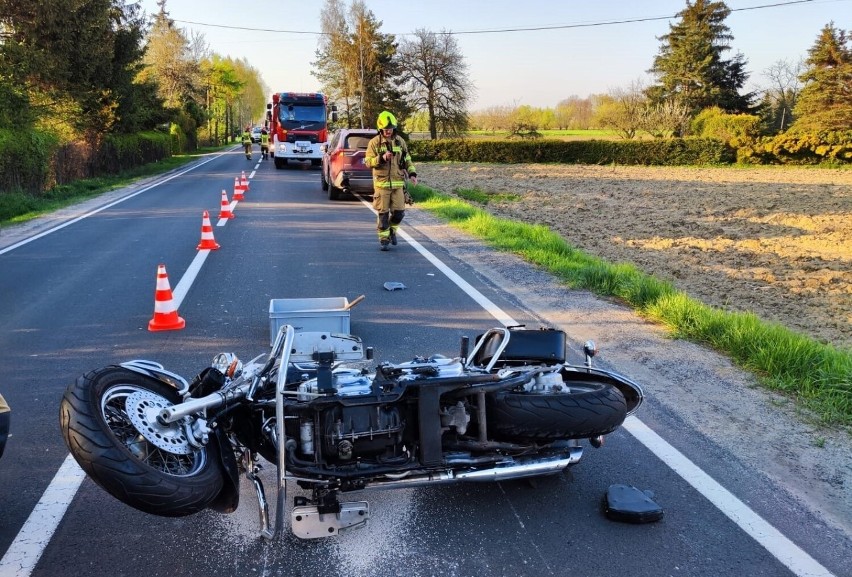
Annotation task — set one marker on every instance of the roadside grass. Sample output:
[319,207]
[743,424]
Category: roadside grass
[16,207]
[816,375]
[484,197]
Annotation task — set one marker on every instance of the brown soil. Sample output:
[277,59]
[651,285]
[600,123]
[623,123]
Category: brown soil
[775,241]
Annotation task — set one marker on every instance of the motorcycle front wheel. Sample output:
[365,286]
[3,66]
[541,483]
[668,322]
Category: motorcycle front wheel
[587,410]
[108,421]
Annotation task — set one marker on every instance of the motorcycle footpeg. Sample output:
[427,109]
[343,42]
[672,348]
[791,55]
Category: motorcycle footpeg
[308,523]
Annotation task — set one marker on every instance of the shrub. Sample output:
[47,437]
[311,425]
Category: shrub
[670,152]
[26,158]
[732,129]
[799,148]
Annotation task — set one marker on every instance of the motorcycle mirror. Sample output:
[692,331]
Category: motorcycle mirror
[590,350]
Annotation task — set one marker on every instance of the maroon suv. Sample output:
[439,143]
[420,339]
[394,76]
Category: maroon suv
[343,168]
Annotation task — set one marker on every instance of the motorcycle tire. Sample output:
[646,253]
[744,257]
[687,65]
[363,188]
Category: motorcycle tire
[589,409]
[117,456]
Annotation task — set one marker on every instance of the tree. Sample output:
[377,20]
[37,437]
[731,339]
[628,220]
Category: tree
[356,65]
[435,74]
[825,102]
[781,96]
[574,112]
[665,119]
[221,89]
[65,62]
[623,110]
[334,67]
[169,62]
[690,67]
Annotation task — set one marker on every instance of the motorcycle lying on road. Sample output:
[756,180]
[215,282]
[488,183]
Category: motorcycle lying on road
[509,408]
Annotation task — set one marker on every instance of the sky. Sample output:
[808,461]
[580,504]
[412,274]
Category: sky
[589,53]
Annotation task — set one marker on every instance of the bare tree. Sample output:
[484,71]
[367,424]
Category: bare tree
[665,119]
[783,92]
[623,109]
[434,71]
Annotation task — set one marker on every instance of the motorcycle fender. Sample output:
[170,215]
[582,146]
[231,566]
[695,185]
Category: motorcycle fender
[228,498]
[157,371]
[631,390]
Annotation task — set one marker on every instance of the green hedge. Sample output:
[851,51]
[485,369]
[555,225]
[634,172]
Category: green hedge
[26,160]
[118,153]
[669,152]
[34,161]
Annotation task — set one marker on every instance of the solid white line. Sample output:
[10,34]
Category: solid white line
[787,552]
[22,555]
[477,296]
[106,206]
[779,546]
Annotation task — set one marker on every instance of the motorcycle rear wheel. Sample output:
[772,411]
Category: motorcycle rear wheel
[100,433]
[589,409]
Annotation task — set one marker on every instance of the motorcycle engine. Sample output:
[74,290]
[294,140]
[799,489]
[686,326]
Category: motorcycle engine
[350,432]
[361,431]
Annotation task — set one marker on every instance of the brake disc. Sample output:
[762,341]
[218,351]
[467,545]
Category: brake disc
[143,407]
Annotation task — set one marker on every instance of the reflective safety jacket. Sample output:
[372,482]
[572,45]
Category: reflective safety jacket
[246,137]
[264,139]
[389,174]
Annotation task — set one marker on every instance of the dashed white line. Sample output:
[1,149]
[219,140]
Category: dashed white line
[21,557]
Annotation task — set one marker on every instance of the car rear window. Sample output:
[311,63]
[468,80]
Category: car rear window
[357,141]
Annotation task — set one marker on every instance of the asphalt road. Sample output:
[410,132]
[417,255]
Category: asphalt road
[81,297]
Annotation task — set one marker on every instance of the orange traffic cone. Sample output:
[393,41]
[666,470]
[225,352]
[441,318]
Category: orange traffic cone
[225,211]
[237,187]
[165,313]
[238,192]
[207,240]
[244,181]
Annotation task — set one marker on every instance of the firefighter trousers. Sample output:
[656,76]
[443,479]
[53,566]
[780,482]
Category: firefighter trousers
[390,204]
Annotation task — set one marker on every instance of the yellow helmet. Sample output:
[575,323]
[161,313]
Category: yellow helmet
[386,120]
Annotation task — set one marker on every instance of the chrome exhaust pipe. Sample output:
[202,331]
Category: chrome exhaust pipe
[529,468]
[526,469]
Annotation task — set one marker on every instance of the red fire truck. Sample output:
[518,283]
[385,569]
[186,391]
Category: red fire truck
[298,125]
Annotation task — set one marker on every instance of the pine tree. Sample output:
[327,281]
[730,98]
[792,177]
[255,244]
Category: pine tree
[825,102]
[690,67]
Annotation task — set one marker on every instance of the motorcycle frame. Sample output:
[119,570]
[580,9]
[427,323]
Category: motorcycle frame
[311,348]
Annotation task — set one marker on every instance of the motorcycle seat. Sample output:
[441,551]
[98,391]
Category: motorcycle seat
[525,346]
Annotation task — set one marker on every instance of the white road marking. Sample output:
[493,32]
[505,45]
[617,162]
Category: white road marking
[25,551]
[779,546]
[21,557]
[106,206]
[27,548]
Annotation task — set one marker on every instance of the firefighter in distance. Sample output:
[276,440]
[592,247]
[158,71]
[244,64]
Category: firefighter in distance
[388,156]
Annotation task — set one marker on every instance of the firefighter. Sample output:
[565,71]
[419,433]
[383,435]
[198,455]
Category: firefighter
[247,141]
[387,154]
[264,143]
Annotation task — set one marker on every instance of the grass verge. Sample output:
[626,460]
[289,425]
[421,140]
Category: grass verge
[816,375]
[16,207]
